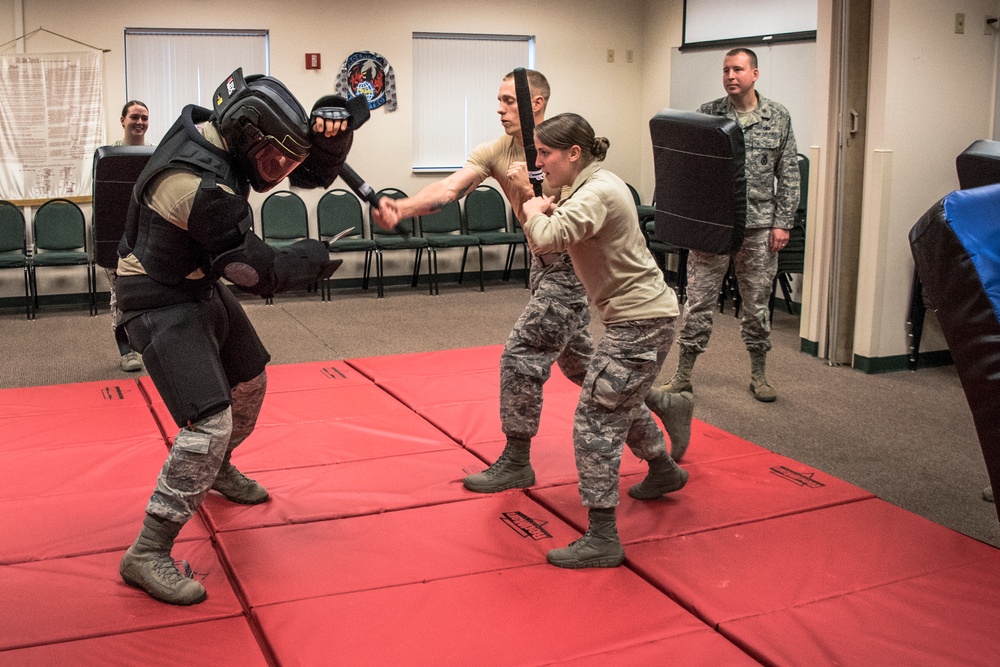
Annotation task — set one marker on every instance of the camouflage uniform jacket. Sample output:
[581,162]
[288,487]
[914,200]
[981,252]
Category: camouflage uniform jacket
[770,154]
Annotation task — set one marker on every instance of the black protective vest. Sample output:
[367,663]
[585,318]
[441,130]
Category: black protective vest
[167,252]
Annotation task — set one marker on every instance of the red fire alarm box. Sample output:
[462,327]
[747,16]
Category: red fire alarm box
[312,61]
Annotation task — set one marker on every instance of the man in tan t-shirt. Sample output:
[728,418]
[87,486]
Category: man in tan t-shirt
[554,325]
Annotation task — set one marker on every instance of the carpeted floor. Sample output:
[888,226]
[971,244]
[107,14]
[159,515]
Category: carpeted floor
[906,437]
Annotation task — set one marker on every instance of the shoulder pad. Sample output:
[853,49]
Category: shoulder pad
[219,220]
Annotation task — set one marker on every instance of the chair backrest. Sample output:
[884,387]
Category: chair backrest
[337,211]
[445,221]
[515,224]
[635,194]
[283,217]
[12,235]
[409,225]
[792,258]
[59,224]
[800,212]
[485,211]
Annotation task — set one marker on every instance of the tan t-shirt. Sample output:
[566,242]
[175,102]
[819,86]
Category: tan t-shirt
[171,194]
[494,159]
[597,224]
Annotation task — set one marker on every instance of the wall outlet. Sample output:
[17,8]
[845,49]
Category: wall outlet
[959,24]
[611,55]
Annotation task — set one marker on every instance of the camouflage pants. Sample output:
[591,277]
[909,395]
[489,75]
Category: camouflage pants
[200,450]
[552,329]
[611,409]
[755,266]
[115,313]
[120,337]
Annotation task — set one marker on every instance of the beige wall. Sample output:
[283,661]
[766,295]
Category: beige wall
[662,30]
[932,94]
[572,39]
[572,55]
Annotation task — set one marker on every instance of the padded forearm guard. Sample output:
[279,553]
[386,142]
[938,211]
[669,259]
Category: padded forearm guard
[260,269]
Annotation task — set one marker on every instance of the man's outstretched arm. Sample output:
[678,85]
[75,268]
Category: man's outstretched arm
[432,197]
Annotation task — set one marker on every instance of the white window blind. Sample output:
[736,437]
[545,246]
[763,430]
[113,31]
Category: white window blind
[455,83]
[169,69]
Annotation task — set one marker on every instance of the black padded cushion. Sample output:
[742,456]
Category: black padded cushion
[955,249]
[116,169]
[701,197]
[979,164]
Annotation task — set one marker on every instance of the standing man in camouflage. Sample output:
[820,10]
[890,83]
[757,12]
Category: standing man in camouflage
[772,174]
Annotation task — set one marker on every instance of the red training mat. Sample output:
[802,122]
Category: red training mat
[57,398]
[709,443]
[766,566]
[483,534]
[528,615]
[288,446]
[702,648]
[313,375]
[34,473]
[349,489]
[82,523]
[471,423]
[419,364]
[119,426]
[76,598]
[945,618]
[723,493]
[228,641]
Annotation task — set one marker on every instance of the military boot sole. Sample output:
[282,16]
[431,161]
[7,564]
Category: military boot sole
[574,563]
[678,424]
[236,487]
[154,591]
[490,486]
[764,394]
[642,491]
[244,500]
[677,387]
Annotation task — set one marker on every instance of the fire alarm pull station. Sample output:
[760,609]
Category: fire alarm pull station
[312,61]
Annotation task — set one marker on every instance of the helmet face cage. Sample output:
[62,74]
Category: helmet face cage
[266,128]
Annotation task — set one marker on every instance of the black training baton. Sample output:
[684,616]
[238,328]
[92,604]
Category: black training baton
[527,116]
[365,191]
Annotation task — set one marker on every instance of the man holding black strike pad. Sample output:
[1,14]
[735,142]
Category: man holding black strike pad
[772,195]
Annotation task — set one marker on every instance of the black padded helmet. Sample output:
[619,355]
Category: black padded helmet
[265,128]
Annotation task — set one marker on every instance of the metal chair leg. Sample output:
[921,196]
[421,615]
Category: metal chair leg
[27,294]
[461,271]
[482,285]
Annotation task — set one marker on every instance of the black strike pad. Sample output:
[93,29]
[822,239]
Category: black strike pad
[526,116]
[701,196]
[116,169]
[979,164]
[956,249]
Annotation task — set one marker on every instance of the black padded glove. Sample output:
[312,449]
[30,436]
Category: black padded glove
[328,154]
[334,107]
